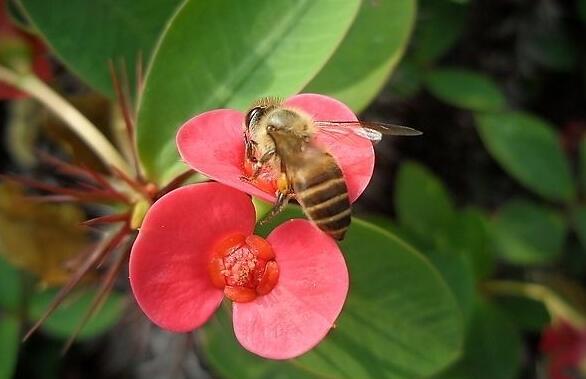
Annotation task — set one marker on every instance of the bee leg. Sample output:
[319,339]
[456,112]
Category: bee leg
[282,201]
[284,194]
[258,165]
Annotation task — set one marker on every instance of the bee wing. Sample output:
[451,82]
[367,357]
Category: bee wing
[372,131]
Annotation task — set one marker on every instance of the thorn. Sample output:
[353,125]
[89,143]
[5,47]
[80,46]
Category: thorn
[107,219]
[94,195]
[64,167]
[101,179]
[105,289]
[131,182]
[176,182]
[97,255]
[102,261]
[121,89]
[52,199]
[122,100]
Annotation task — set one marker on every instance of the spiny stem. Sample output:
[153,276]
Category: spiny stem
[555,304]
[76,121]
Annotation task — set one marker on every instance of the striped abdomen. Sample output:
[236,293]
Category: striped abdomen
[321,191]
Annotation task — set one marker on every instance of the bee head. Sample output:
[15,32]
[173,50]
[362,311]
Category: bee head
[282,121]
[260,109]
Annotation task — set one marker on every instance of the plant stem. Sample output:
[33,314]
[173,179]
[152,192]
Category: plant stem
[76,121]
[555,304]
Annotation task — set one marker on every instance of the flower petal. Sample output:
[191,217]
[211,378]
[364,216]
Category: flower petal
[354,154]
[213,144]
[298,313]
[169,259]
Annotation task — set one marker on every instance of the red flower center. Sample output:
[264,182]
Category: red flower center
[244,267]
[266,181]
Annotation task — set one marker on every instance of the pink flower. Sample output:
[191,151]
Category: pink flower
[40,63]
[213,144]
[566,347]
[196,245]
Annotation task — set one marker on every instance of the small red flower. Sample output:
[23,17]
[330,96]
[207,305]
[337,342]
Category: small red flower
[196,246]
[566,347]
[213,144]
[40,62]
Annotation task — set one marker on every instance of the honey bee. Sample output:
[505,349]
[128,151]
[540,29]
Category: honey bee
[279,139]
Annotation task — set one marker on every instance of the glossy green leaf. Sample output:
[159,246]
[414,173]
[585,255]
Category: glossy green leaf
[439,25]
[528,149]
[492,349]
[363,62]
[453,263]
[387,329]
[457,272]
[65,320]
[383,222]
[400,231]
[465,89]
[469,236]
[528,233]
[218,55]
[86,35]
[422,203]
[9,344]
[10,287]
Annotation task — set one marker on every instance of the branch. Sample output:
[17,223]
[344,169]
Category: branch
[76,121]
[555,304]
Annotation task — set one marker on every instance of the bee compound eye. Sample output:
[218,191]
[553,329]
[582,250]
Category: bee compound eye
[252,116]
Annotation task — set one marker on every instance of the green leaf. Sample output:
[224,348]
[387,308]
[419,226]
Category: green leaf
[65,320]
[457,272]
[86,35]
[10,287]
[528,233]
[465,89]
[492,349]
[527,314]
[528,149]
[579,223]
[407,80]
[469,237]
[217,55]
[387,328]
[400,231]
[422,203]
[440,23]
[400,319]
[363,62]
[9,344]
[549,46]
